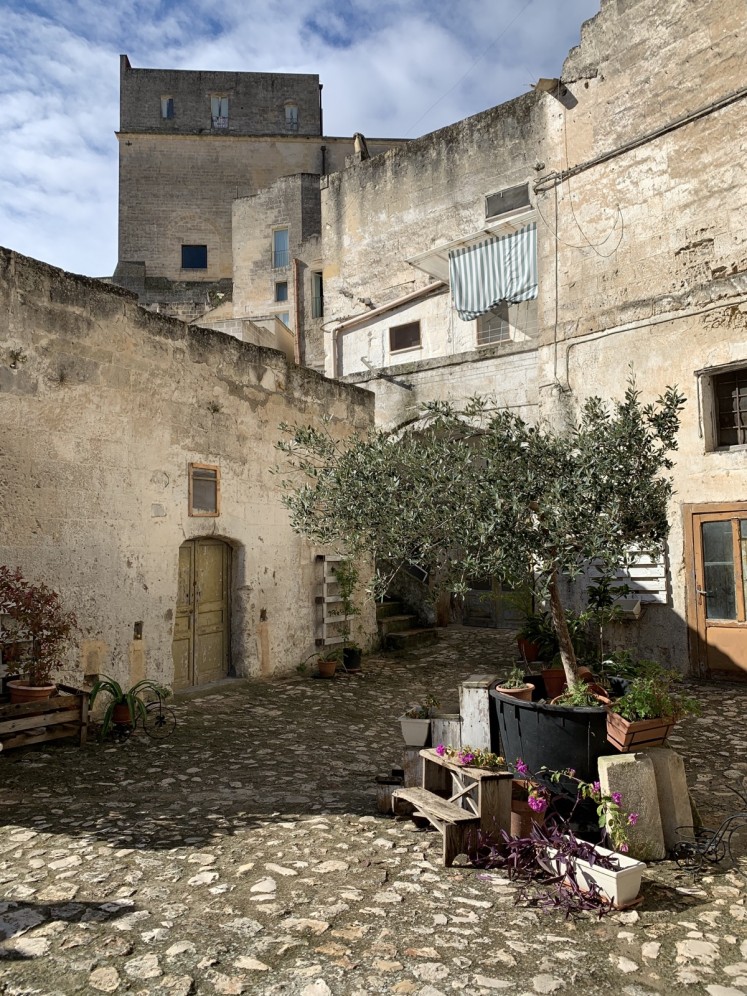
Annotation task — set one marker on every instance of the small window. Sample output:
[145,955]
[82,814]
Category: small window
[281,290]
[194,257]
[219,111]
[317,295]
[493,327]
[291,117]
[167,108]
[404,336]
[730,407]
[284,317]
[507,200]
[280,253]
[204,489]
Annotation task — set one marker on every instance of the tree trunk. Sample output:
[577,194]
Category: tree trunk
[567,653]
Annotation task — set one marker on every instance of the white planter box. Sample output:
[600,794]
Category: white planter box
[620,887]
[415,731]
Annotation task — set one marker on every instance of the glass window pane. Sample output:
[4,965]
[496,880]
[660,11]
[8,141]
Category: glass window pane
[718,570]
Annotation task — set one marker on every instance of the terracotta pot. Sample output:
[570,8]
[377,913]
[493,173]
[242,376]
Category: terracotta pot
[21,691]
[121,714]
[524,693]
[326,668]
[554,679]
[529,651]
[523,817]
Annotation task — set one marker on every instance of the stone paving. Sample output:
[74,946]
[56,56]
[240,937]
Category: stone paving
[245,855]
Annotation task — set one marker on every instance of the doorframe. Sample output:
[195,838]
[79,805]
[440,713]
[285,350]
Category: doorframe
[697,645]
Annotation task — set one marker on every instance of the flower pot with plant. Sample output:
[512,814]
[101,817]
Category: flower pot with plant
[36,632]
[347,576]
[645,715]
[125,706]
[515,685]
[416,721]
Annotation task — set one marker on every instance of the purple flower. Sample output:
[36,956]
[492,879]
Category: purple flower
[440,750]
[466,758]
[537,803]
[632,819]
[521,767]
[596,787]
[623,848]
[571,772]
[617,798]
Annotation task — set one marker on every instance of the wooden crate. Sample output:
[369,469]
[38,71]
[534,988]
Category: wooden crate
[63,715]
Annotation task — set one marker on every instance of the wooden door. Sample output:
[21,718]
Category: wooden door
[717,593]
[496,606]
[201,644]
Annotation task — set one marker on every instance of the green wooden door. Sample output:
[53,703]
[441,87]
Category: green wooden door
[202,629]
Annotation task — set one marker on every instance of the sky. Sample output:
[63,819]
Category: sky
[390,68]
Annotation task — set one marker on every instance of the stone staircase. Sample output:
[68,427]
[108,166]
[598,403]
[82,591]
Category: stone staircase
[399,629]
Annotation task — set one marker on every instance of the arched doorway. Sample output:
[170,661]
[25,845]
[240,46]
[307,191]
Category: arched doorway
[202,630]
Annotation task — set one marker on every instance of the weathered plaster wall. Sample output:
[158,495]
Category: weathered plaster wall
[379,213]
[651,250]
[103,405]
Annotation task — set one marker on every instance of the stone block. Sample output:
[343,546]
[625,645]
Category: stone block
[474,706]
[671,787]
[634,777]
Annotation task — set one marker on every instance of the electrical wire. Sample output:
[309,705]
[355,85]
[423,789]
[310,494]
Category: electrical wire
[465,75]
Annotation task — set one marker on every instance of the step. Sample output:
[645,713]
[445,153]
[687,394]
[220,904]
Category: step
[397,624]
[391,607]
[452,822]
[409,639]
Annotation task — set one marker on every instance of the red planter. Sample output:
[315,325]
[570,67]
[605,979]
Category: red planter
[554,679]
[528,650]
[21,691]
[631,735]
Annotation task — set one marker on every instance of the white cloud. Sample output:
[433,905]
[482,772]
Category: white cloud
[389,68]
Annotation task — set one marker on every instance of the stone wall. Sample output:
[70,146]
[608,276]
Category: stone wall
[103,406]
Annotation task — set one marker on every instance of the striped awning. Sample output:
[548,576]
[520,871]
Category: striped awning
[494,271]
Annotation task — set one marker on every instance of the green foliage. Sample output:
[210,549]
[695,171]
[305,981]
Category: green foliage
[514,679]
[578,695]
[475,491]
[653,697]
[40,628]
[135,697]
[423,709]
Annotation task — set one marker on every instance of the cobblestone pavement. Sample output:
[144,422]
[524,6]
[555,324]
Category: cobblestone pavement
[245,855]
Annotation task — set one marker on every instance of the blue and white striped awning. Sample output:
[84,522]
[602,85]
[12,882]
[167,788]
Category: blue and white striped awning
[493,271]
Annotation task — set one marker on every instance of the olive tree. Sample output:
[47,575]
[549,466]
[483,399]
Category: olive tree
[476,491]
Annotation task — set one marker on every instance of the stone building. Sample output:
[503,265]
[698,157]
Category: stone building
[190,144]
[137,455]
[620,188]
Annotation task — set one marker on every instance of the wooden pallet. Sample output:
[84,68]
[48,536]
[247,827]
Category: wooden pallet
[63,715]
[452,822]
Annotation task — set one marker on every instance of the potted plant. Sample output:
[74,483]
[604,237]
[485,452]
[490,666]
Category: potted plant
[347,576]
[39,632]
[416,721]
[645,715]
[515,685]
[124,707]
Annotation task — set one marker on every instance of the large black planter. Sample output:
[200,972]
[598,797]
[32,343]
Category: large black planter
[543,735]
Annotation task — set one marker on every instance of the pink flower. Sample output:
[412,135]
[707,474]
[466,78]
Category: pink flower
[537,803]
[632,819]
[521,767]
[617,798]
[466,758]
[440,750]
[596,787]
[623,848]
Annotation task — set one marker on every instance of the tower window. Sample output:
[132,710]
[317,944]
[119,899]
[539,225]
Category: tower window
[194,257]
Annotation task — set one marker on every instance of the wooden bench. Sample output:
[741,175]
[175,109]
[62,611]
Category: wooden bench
[457,799]
[448,818]
[63,715]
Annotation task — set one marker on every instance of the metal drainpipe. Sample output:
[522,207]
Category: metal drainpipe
[297,342]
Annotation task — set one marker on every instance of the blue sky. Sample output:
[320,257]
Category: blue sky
[390,68]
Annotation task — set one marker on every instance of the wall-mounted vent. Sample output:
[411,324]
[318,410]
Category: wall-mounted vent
[507,200]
